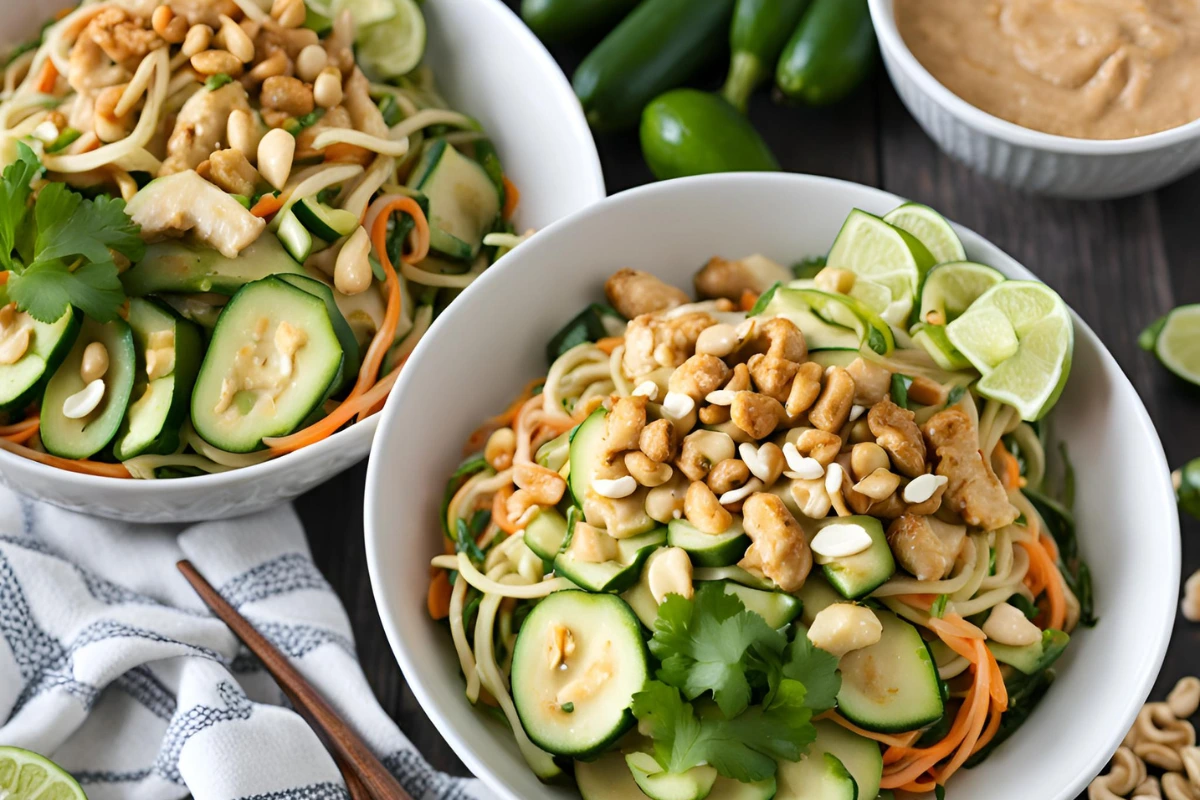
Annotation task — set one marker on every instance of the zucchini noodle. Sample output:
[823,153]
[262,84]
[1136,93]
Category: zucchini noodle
[136,87]
[414,273]
[223,457]
[1033,453]
[359,197]
[908,585]
[466,659]
[310,182]
[421,323]
[430,116]
[559,388]
[616,374]
[488,586]
[144,466]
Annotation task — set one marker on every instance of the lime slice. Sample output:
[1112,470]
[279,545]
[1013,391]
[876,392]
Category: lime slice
[1175,339]
[879,252]
[930,228]
[945,355]
[1019,336]
[847,312]
[365,12]
[393,47]
[25,775]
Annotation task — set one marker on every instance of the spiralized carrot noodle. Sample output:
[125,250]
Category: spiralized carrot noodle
[21,437]
[1048,570]
[20,427]
[610,343]
[954,625]
[500,510]
[82,465]
[511,198]
[321,429]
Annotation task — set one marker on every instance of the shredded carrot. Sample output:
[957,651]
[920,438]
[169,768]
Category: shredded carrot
[979,706]
[21,437]
[1038,557]
[321,429]
[511,198]
[610,343]
[989,732]
[20,427]
[892,740]
[342,152]
[46,78]
[748,300]
[500,510]
[267,205]
[3,277]
[62,12]
[955,625]
[1012,470]
[438,599]
[82,465]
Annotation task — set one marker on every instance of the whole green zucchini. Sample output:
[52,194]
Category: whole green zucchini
[759,31]
[690,132]
[556,21]
[657,47]
[830,53]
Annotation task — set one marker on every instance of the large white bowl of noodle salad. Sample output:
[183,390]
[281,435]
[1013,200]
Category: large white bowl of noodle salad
[219,150]
[917,563]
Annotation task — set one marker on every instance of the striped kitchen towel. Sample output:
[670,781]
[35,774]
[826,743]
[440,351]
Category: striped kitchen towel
[110,664]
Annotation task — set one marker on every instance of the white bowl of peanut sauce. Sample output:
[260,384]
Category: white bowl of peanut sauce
[1094,100]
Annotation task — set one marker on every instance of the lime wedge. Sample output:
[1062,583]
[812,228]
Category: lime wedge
[945,355]
[393,47]
[930,228]
[1175,339]
[365,12]
[839,310]
[25,775]
[1019,335]
[879,252]
[950,288]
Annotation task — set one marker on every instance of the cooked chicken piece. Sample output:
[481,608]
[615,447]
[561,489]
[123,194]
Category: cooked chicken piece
[779,549]
[653,341]
[200,127]
[202,12]
[722,278]
[897,433]
[363,112]
[122,37]
[921,550]
[974,492]
[633,293]
[871,381]
[336,117]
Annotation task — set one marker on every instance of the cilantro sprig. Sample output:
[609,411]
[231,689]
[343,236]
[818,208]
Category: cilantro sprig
[765,688]
[59,250]
[745,748]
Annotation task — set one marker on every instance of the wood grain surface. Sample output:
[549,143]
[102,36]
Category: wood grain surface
[1120,264]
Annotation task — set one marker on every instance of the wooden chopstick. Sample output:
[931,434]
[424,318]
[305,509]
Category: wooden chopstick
[358,763]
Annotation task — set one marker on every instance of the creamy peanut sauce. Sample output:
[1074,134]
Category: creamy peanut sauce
[1091,69]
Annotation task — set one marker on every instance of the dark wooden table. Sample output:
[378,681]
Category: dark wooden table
[1120,264]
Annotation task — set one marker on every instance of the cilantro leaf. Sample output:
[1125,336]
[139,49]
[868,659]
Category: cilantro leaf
[816,670]
[710,643]
[14,198]
[46,288]
[744,748]
[939,605]
[68,226]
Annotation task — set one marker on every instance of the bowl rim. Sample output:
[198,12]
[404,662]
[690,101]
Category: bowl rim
[411,663]
[893,44]
[353,436]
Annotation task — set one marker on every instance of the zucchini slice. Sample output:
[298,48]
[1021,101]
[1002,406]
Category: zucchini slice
[323,222]
[463,201]
[341,327]
[294,237]
[84,437]
[706,549]
[22,382]
[858,757]
[587,453]
[892,685]
[580,705]
[169,350]
[172,266]
[611,576]
[695,784]
[860,574]
[273,356]
[544,533]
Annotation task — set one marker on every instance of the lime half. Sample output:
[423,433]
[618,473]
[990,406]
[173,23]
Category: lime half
[25,775]
[1019,335]
[882,253]
[931,229]
[948,290]
[392,47]
[1175,339]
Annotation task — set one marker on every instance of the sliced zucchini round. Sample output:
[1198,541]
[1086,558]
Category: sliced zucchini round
[341,327]
[861,757]
[611,576]
[586,454]
[776,608]
[818,776]
[544,533]
[173,266]
[323,222]
[706,549]
[88,435]
[892,685]
[272,358]
[606,778]
[580,705]
[860,574]
[21,382]
[162,389]
[294,237]
[695,784]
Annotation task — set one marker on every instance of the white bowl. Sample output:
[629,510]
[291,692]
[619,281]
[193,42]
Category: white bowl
[1025,158]
[479,51]
[492,341]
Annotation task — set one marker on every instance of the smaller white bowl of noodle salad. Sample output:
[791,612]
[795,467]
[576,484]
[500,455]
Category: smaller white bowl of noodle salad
[168,107]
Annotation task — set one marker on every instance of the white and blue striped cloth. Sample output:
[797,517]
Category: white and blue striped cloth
[111,665]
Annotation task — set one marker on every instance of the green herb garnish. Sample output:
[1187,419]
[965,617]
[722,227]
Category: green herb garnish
[214,82]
